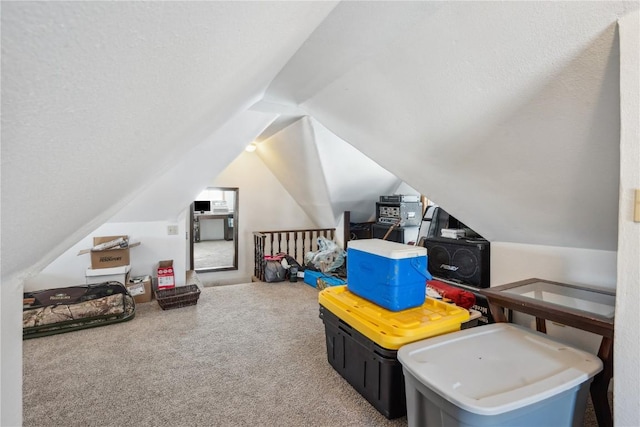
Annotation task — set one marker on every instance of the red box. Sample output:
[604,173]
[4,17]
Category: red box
[166,277]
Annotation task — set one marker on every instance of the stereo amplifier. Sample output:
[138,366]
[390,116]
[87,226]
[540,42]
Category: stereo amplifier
[399,198]
[409,213]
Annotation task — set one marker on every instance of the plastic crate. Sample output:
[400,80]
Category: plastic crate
[373,371]
[181,296]
[362,341]
[393,329]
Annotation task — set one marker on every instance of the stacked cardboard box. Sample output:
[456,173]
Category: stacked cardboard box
[109,251]
[110,260]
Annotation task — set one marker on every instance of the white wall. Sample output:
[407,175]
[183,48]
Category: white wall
[155,245]
[511,262]
[264,204]
[627,336]
[160,203]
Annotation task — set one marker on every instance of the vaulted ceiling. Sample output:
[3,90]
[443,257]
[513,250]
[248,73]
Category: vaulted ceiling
[505,113]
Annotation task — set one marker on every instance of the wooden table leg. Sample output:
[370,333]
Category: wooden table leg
[600,384]
[498,313]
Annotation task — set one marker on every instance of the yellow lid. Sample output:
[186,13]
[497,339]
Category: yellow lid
[393,329]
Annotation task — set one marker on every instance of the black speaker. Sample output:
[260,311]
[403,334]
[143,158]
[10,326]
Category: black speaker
[378,231]
[463,261]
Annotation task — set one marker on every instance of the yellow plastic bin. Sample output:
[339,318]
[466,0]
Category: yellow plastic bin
[362,340]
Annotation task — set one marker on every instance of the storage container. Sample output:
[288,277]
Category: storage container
[373,371]
[362,339]
[496,375]
[112,274]
[320,280]
[393,275]
[391,329]
[181,296]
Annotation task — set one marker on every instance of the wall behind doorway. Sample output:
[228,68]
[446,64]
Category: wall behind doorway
[264,205]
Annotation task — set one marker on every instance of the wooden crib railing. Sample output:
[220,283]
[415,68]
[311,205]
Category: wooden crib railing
[295,243]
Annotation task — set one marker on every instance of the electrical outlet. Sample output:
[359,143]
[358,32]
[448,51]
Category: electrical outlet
[172,230]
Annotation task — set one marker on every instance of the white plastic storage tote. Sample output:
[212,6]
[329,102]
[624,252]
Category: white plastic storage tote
[496,375]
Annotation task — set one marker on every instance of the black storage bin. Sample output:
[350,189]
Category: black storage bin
[373,371]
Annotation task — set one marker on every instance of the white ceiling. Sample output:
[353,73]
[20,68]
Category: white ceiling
[505,113]
[324,174]
[100,98]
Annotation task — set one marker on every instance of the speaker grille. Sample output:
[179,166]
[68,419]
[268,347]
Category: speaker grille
[464,261]
[438,259]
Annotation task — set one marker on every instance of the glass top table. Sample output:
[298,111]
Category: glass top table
[589,301]
[584,308]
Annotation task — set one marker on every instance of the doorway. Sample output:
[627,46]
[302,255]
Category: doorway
[214,230]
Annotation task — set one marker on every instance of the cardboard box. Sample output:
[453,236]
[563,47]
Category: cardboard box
[113,274]
[166,276]
[111,257]
[140,288]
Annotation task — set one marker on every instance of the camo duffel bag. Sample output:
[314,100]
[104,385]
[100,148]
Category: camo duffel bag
[53,311]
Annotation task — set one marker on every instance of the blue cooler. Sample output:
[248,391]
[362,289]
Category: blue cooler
[392,275]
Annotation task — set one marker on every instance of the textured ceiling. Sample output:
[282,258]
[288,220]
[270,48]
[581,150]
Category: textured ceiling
[505,113]
[324,174]
[100,98]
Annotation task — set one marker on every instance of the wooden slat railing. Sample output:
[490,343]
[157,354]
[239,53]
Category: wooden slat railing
[295,243]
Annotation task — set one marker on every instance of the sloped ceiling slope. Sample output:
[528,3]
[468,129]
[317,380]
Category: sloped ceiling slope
[101,98]
[179,186]
[504,113]
[324,174]
[354,181]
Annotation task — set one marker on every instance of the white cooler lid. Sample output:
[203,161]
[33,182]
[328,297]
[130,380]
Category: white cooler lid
[492,369]
[387,249]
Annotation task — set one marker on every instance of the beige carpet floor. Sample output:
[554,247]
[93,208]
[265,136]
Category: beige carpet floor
[245,355]
[213,253]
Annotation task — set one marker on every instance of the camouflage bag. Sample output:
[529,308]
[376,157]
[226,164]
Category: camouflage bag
[54,311]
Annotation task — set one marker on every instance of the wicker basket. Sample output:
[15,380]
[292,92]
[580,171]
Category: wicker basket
[177,297]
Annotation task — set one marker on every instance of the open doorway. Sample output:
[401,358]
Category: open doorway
[214,230]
